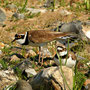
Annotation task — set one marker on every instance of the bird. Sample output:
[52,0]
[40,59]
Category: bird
[38,38]
[66,57]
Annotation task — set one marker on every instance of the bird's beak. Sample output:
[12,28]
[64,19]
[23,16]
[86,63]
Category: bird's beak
[13,40]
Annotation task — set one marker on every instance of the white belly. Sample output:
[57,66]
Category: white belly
[70,63]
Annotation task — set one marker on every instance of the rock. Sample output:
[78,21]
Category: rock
[2,45]
[24,65]
[65,12]
[26,68]
[46,52]
[86,23]
[7,77]
[18,16]
[51,3]
[23,85]
[0,52]
[75,27]
[32,10]
[88,34]
[14,58]
[30,53]
[11,6]
[30,71]
[86,85]
[2,15]
[52,77]
[1,66]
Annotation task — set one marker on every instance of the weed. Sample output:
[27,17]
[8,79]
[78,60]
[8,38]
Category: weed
[62,3]
[87,4]
[23,51]
[4,64]
[88,18]
[6,51]
[18,72]
[31,15]
[24,6]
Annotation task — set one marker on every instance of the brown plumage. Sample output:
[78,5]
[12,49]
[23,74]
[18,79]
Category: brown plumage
[42,36]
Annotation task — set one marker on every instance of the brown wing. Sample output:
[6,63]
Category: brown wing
[40,36]
[73,55]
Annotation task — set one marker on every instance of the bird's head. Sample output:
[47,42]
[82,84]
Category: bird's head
[61,49]
[20,38]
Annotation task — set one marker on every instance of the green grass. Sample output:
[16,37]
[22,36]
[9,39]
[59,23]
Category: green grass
[62,3]
[6,50]
[32,15]
[18,72]
[4,64]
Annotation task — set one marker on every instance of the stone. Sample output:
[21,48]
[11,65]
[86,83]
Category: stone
[65,12]
[86,85]
[30,71]
[52,77]
[24,65]
[1,66]
[0,52]
[7,77]
[2,15]
[30,53]
[2,45]
[88,34]
[18,16]
[14,58]
[23,85]
[32,10]
[11,6]
[45,52]
[75,27]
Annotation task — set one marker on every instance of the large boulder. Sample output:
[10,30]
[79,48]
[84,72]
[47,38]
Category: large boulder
[7,77]
[26,67]
[2,15]
[52,78]
[75,27]
[23,85]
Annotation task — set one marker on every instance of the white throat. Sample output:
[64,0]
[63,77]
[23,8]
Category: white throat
[22,41]
[63,53]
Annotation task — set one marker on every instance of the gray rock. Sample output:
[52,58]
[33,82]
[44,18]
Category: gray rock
[30,53]
[14,58]
[1,66]
[52,77]
[32,10]
[23,85]
[19,16]
[45,52]
[26,68]
[65,12]
[86,23]
[75,27]
[11,6]
[49,3]
[24,65]
[30,71]
[7,77]
[2,16]
[0,52]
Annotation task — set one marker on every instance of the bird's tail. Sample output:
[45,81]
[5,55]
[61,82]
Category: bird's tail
[66,35]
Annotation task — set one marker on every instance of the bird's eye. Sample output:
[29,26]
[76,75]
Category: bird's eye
[19,36]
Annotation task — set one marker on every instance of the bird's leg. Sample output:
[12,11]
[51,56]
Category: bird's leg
[42,60]
[39,53]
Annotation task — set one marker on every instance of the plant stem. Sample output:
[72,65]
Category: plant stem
[63,72]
